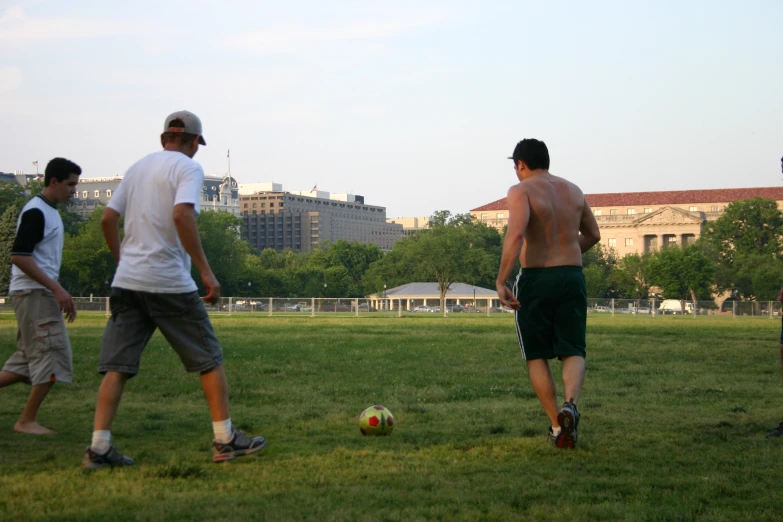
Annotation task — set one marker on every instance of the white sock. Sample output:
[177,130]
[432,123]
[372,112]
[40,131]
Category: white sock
[101,441]
[556,431]
[223,430]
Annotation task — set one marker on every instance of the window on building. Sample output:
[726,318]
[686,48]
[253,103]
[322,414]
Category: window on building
[254,205]
[631,211]
[612,242]
[263,205]
[108,193]
[84,194]
[76,195]
[97,193]
[693,209]
[714,208]
[628,241]
[499,215]
[647,210]
[613,212]
[597,212]
[484,216]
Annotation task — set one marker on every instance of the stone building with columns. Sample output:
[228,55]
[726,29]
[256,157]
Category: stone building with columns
[637,222]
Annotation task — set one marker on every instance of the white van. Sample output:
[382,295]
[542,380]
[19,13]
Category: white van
[674,307]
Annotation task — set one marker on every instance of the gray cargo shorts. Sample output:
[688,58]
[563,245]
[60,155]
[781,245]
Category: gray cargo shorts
[43,350]
[182,320]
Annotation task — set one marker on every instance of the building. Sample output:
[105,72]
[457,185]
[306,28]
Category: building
[410,225]
[637,222]
[411,295]
[20,177]
[301,221]
[218,193]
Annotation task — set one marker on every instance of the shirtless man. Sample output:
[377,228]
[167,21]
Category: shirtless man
[550,226]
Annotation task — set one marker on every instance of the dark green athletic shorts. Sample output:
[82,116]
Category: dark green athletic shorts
[552,316]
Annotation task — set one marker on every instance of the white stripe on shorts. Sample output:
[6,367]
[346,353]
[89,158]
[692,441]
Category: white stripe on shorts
[516,319]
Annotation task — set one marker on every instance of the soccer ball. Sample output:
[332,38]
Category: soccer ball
[376,420]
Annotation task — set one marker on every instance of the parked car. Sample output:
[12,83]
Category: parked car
[364,307]
[601,309]
[471,309]
[500,310]
[455,308]
[640,310]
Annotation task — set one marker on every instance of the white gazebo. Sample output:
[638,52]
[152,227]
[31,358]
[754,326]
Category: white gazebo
[411,295]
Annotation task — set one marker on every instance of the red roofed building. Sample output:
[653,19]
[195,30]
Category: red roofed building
[636,222]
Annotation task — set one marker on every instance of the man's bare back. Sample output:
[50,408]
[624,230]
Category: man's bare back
[557,213]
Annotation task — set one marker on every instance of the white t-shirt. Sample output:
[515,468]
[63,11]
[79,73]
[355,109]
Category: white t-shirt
[39,233]
[152,258]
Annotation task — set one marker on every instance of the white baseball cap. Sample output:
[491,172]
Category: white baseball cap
[192,124]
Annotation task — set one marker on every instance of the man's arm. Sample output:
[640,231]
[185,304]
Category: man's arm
[518,218]
[28,265]
[187,230]
[110,223]
[588,228]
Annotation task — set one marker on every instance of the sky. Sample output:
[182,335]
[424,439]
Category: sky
[414,105]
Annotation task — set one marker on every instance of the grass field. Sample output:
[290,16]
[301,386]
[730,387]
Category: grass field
[674,413]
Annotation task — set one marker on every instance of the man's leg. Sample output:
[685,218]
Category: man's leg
[573,377]
[544,386]
[8,378]
[215,388]
[109,395]
[26,422]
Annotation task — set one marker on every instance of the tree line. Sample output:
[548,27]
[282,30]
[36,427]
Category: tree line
[740,253]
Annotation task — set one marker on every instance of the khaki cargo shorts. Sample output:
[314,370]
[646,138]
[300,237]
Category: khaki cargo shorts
[43,350]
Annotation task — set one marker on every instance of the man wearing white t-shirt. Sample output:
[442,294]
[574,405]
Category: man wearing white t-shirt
[43,352]
[152,288]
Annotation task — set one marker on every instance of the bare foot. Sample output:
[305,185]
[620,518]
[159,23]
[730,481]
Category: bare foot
[32,428]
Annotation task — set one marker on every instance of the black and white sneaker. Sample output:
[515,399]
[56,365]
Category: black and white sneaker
[111,458]
[777,432]
[239,446]
[568,418]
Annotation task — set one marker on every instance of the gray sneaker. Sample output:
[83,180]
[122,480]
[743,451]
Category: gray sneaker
[111,458]
[239,446]
[568,418]
[777,432]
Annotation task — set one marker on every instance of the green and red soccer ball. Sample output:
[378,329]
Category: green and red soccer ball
[376,420]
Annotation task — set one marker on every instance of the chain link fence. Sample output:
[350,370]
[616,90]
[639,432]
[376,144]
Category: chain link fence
[655,307]
[346,306]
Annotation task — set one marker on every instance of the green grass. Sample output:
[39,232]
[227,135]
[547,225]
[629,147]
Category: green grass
[674,412]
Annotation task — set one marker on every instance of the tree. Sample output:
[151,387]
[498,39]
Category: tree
[453,248]
[757,277]
[632,275]
[87,264]
[226,252]
[682,273]
[8,222]
[356,259]
[752,226]
[12,193]
[598,265]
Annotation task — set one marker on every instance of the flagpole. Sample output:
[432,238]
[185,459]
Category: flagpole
[228,156]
